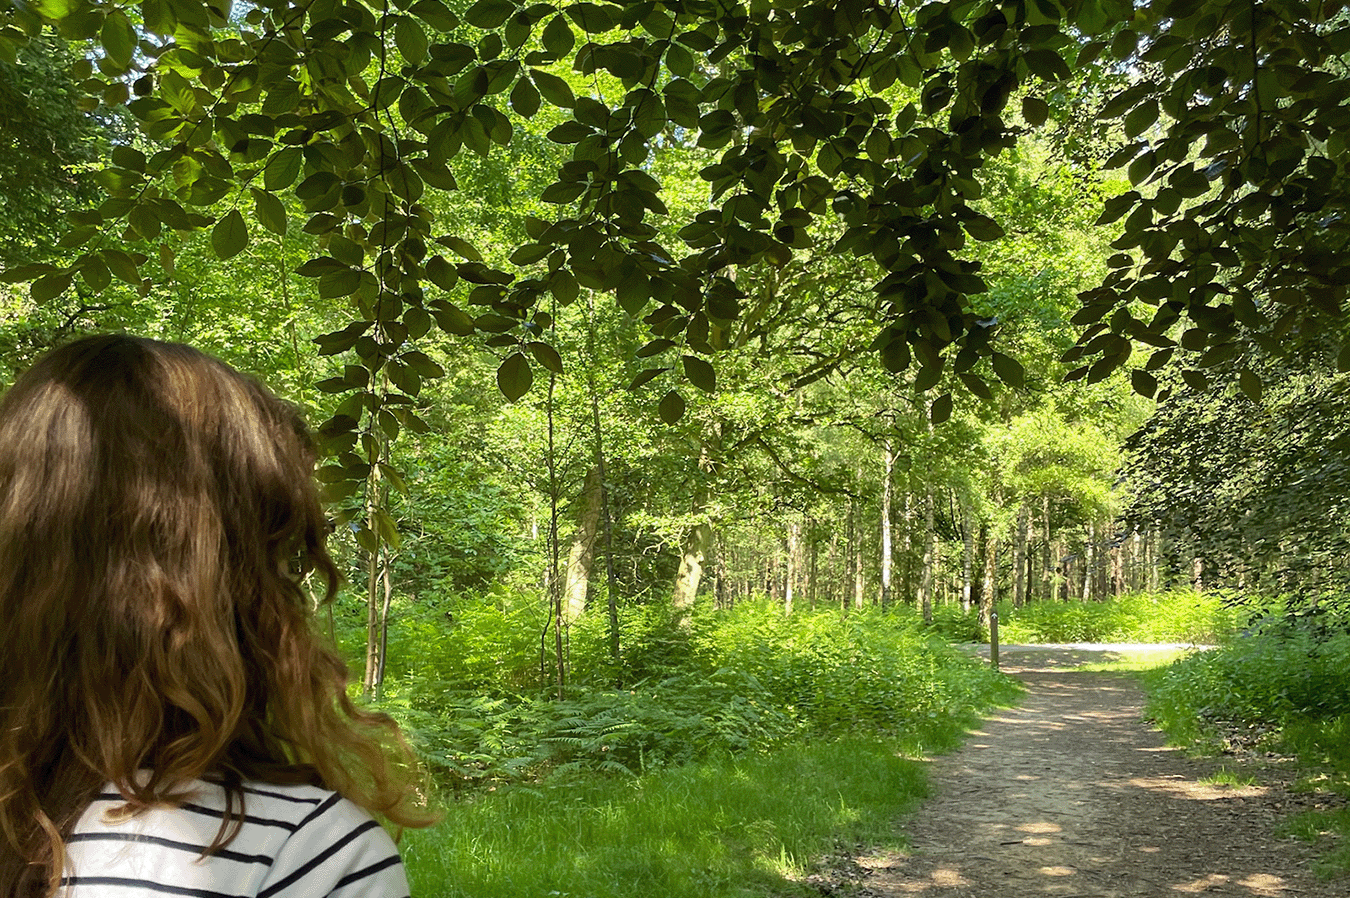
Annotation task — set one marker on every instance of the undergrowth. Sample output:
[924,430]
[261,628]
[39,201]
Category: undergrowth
[745,680]
[1178,616]
[1288,679]
[736,752]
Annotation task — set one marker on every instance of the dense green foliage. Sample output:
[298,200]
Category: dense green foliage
[1256,492]
[1283,686]
[745,680]
[1180,616]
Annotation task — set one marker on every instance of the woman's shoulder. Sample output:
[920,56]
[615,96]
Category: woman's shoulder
[292,840]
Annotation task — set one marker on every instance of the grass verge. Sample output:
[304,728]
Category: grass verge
[730,826]
[1285,689]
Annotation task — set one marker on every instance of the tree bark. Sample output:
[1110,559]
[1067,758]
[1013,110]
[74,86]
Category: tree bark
[581,554]
[967,558]
[888,454]
[793,575]
[1047,553]
[693,553]
[989,591]
[1020,556]
[929,558]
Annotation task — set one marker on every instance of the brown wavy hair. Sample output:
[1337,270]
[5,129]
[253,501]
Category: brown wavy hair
[157,515]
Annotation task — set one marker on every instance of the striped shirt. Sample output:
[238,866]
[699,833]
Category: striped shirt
[296,842]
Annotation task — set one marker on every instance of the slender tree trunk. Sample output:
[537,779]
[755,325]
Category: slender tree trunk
[375,501]
[888,454]
[906,547]
[989,591]
[1089,563]
[967,558]
[929,558]
[812,565]
[793,565]
[1047,553]
[1020,555]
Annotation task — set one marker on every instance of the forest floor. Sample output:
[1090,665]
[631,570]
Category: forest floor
[1073,794]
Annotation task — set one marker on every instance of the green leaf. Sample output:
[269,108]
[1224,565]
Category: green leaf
[229,236]
[1035,111]
[283,168]
[1250,382]
[557,37]
[547,356]
[411,40]
[1144,384]
[119,38]
[1196,380]
[700,373]
[514,377]
[646,376]
[525,98]
[982,227]
[269,211]
[339,282]
[49,287]
[1008,369]
[554,89]
[1047,65]
[941,409]
[489,14]
[671,407]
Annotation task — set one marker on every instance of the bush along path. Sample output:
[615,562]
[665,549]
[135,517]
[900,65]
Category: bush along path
[1073,794]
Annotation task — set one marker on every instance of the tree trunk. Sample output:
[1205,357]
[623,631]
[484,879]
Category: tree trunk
[1047,554]
[1089,563]
[889,458]
[697,539]
[581,555]
[794,536]
[693,553]
[989,591]
[1020,555]
[967,558]
[929,558]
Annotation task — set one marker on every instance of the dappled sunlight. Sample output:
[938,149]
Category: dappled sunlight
[1072,795]
[1195,790]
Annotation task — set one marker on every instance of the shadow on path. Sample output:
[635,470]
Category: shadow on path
[1072,794]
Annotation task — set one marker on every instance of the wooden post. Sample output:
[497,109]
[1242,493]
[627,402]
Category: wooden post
[993,640]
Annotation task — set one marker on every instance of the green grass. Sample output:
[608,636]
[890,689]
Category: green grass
[1227,777]
[1290,679]
[732,826]
[1137,662]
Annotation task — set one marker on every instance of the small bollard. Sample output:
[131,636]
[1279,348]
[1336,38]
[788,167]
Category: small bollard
[993,640]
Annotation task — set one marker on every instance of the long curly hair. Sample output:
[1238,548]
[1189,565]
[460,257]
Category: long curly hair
[158,514]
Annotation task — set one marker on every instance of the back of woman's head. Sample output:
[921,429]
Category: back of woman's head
[157,513]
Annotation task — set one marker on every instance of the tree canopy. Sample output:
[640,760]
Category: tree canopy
[824,127]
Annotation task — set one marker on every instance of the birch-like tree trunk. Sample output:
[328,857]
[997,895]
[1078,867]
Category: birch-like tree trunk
[1019,561]
[967,557]
[581,553]
[888,454]
[988,591]
[929,557]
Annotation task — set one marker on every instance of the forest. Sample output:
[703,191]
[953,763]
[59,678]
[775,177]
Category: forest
[691,374]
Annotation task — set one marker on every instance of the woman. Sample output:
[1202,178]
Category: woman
[169,722]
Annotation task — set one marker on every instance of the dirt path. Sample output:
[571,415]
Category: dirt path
[1072,794]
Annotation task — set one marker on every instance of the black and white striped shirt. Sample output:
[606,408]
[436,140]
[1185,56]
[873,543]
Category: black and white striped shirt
[296,842]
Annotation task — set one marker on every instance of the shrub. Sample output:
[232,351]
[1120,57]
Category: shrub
[1178,616]
[745,680]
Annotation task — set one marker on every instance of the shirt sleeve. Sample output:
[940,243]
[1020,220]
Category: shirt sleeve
[338,851]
